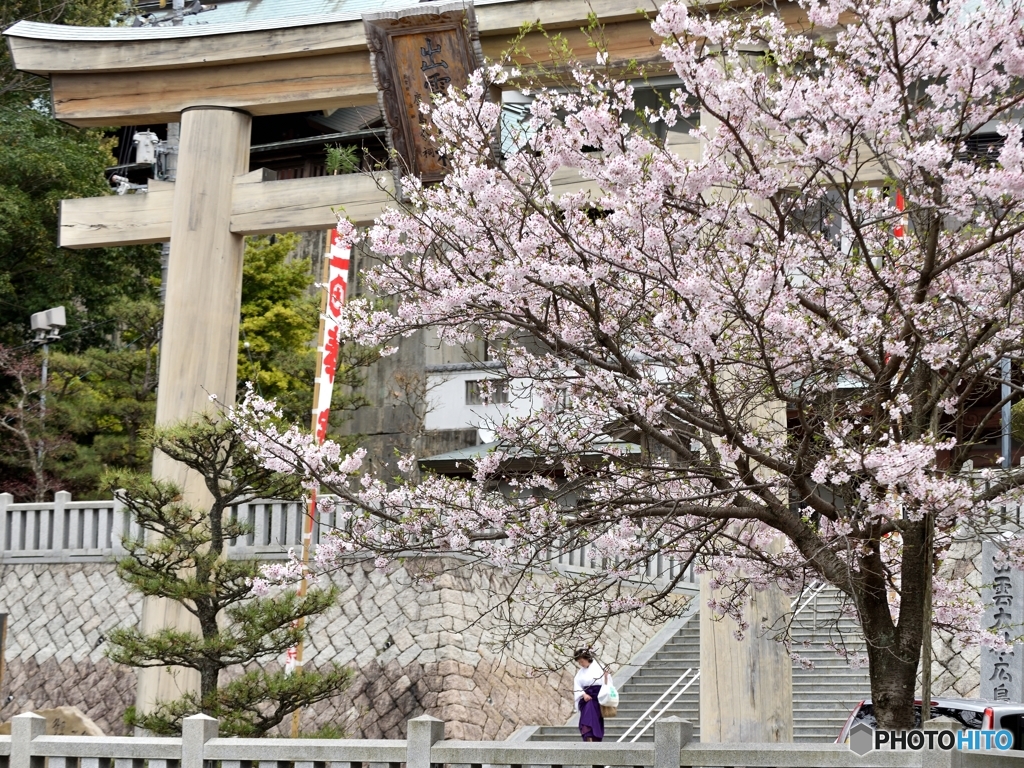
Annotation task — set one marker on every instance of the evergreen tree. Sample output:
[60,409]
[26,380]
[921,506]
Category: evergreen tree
[43,162]
[278,326]
[280,316]
[183,558]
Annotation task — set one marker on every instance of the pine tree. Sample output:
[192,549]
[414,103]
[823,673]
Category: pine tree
[183,557]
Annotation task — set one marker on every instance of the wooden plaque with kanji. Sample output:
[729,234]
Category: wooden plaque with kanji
[416,52]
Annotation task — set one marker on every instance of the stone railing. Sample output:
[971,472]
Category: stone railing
[60,531]
[64,531]
[425,747]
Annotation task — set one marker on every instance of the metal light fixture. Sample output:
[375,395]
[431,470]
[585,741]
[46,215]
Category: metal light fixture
[48,324]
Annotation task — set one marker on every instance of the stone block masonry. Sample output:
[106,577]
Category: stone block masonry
[417,647]
[956,668]
[58,616]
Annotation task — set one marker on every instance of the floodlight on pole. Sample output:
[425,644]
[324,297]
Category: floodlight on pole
[46,326]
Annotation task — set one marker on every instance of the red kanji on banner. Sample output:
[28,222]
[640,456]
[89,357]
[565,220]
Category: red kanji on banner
[338,287]
[331,349]
[321,424]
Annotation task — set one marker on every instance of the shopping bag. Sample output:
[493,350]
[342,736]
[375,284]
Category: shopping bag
[608,698]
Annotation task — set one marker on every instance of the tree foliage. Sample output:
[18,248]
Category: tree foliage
[182,557]
[41,163]
[796,358]
[277,349]
[280,317]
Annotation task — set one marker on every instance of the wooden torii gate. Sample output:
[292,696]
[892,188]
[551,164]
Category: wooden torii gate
[213,78]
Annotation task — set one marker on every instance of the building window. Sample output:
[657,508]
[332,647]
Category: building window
[486,392]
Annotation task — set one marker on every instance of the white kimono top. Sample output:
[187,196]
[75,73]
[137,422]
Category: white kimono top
[586,677]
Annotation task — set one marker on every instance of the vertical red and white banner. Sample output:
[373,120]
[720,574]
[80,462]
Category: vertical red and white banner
[335,288]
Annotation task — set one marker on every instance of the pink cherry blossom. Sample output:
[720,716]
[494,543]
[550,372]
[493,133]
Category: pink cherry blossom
[803,370]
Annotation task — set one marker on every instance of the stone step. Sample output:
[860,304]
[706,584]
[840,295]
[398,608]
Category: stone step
[822,696]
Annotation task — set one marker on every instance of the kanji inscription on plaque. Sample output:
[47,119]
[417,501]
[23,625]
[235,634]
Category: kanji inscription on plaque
[415,53]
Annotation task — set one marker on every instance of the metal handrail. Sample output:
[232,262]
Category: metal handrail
[656,703]
[815,591]
[663,710]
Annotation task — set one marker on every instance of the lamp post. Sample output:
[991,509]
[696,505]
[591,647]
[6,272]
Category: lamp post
[46,326]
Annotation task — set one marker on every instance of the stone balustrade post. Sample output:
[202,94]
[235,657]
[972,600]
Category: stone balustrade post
[195,732]
[61,532]
[6,500]
[670,735]
[423,732]
[24,729]
[120,527]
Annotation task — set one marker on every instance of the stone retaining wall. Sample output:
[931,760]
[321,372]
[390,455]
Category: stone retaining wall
[956,669]
[57,617]
[416,646]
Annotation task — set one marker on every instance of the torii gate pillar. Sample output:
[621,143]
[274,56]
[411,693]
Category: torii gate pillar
[199,347]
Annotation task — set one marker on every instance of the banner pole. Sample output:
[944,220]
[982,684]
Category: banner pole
[307,526]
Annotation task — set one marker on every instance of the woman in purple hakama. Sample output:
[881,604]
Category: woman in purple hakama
[586,686]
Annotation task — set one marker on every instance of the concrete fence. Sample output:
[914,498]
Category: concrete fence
[65,531]
[426,747]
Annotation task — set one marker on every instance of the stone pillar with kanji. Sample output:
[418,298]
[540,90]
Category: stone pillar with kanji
[1002,671]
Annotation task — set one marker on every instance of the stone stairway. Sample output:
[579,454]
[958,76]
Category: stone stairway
[822,697]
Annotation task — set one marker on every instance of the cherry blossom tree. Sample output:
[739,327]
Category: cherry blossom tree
[803,323]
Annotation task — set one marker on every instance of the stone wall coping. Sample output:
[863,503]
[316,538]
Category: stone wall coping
[5,745]
[542,753]
[795,756]
[525,733]
[426,746]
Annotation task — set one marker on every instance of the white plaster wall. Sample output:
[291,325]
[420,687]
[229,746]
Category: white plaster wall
[448,408]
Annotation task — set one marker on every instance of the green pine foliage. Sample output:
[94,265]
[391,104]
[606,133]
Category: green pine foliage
[280,315]
[280,319]
[183,559]
[106,400]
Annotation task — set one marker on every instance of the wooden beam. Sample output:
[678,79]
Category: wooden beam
[48,49]
[260,206]
[100,222]
[296,205]
[271,87]
[628,41]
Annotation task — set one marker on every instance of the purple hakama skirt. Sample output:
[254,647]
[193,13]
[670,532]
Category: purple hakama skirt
[591,721]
